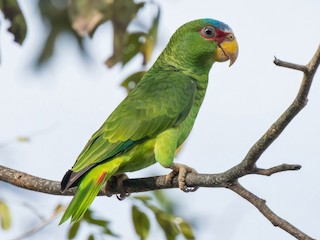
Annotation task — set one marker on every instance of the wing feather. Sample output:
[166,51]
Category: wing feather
[147,111]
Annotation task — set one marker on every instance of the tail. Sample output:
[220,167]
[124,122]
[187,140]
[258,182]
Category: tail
[88,190]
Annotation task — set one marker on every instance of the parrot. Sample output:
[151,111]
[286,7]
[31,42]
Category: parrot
[156,117]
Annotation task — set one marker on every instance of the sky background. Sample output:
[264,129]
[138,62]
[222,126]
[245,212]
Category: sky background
[62,105]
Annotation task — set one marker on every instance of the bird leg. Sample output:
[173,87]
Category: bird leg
[118,180]
[181,171]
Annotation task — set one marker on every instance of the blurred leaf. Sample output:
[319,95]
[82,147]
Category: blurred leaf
[186,229]
[23,139]
[104,224]
[171,224]
[55,13]
[143,198]
[109,232]
[123,12]
[132,46]
[59,208]
[12,12]
[5,216]
[91,237]
[168,225]
[73,230]
[86,15]
[98,222]
[141,222]
[166,222]
[166,203]
[90,219]
[130,82]
[150,40]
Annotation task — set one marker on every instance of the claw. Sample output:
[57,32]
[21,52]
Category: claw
[181,171]
[122,196]
[118,180]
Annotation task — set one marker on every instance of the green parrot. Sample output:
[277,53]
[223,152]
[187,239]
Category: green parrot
[156,117]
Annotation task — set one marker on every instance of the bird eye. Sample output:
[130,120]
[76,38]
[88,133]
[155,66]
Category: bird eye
[208,32]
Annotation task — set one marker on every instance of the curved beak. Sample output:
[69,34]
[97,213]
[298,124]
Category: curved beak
[227,50]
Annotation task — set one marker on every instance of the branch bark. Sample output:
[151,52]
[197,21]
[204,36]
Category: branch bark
[227,179]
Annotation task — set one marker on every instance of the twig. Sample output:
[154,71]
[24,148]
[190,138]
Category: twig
[261,205]
[294,66]
[299,102]
[277,169]
[41,225]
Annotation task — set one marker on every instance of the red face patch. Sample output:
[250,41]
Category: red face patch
[213,34]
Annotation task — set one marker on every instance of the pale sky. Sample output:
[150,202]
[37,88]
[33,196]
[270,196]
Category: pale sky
[61,107]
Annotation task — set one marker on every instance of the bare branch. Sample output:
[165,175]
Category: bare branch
[41,225]
[261,205]
[277,169]
[276,129]
[294,66]
[30,182]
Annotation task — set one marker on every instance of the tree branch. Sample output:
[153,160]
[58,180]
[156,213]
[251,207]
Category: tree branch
[261,205]
[227,179]
[277,169]
[294,66]
[283,121]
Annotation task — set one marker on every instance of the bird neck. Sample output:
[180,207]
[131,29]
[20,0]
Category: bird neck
[169,60]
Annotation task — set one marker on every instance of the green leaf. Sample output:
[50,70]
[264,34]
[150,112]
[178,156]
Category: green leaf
[185,229]
[5,216]
[98,222]
[168,225]
[91,237]
[132,46]
[73,230]
[109,232]
[141,222]
[165,202]
[143,198]
[90,219]
[166,222]
[123,13]
[104,224]
[151,39]
[13,13]
[131,82]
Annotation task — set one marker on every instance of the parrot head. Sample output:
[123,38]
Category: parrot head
[200,43]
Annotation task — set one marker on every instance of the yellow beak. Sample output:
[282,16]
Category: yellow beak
[227,50]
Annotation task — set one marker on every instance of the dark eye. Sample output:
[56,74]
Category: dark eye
[208,32]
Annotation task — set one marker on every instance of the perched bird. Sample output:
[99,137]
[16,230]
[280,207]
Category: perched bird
[156,117]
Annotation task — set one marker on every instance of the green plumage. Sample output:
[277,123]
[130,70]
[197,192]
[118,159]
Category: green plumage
[151,122]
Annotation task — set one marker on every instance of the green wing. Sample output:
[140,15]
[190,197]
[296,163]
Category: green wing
[156,104]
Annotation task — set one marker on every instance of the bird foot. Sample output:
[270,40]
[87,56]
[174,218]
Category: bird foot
[181,171]
[117,180]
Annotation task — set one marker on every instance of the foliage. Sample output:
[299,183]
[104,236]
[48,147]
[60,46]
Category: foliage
[13,14]
[98,223]
[80,19]
[171,224]
[142,209]
[5,216]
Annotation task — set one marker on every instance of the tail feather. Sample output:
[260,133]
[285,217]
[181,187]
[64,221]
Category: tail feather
[88,190]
